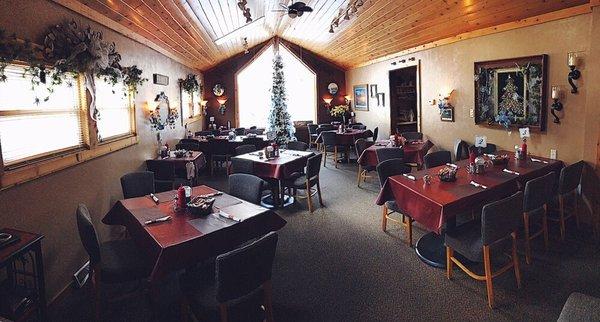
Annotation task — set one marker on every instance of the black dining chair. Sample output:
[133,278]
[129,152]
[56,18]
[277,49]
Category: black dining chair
[375,134]
[238,288]
[461,150]
[166,176]
[412,136]
[312,134]
[308,180]
[204,133]
[568,195]
[188,144]
[385,154]
[239,165]
[489,149]
[247,187]
[245,148]
[258,142]
[137,184]
[361,145]
[240,131]
[220,154]
[475,240]
[537,194]
[436,159]
[297,146]
[386,169]
[352,124]
[358,127]
[330,147]
[111,262]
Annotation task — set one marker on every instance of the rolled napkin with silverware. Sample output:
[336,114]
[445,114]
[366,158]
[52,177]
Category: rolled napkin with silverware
[157,220]
[478,185]
[510,171]
[408,176]
[538,160]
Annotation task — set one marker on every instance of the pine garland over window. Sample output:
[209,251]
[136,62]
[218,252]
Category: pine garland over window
[279,119]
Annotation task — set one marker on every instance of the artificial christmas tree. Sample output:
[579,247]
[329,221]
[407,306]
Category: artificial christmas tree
[510,101]
[279,119]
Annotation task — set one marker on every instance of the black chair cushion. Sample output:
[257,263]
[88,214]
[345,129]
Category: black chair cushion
[580,307]
[122,261]
[466,240]
[298,181]
[391,205]
[369,167]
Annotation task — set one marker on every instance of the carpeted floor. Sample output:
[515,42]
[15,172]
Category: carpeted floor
[337,265]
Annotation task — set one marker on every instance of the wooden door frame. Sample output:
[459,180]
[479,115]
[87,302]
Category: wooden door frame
[414,63]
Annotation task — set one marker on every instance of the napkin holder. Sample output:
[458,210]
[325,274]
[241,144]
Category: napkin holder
[201,206]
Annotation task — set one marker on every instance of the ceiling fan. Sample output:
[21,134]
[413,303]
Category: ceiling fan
[296,9]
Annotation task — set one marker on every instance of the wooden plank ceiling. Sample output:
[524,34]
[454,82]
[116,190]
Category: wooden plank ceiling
[188,29]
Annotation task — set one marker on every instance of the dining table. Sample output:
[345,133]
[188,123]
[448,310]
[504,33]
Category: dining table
[177,166]
[186,239]
[346,139]
[436,205]
[275,170]
[414,152]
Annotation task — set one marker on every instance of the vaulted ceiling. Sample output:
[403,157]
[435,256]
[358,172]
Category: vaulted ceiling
[202,33]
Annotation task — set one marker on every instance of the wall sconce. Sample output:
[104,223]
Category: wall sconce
[444,100]
[574,74]
[222,108]
[327,102]
[557,105]
[347,99]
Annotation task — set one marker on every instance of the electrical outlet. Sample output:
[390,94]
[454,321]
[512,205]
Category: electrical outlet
[553,154]
[471,113]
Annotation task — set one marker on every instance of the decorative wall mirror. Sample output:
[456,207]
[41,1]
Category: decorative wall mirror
[163,115]
[333,88]
[511,92]
[218,90]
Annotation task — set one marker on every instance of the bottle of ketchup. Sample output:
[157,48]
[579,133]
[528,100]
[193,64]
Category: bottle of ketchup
[472,156]
[524,148]
[181,198]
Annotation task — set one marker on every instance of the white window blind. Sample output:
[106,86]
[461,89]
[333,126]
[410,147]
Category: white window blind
[29,130]
[186,101]
[115,111]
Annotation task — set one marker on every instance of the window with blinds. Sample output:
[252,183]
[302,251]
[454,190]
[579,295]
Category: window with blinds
[115,110]
[28,130]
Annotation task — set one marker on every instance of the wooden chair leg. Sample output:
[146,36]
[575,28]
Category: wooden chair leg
[561,209]
[545,226]
[449,263]
[223,311]
[335,156]
[308,197]
[384,217]
[527,239]
[515,258]
[359,175]
[319,192]
[325,158]
[488,276]
[268,288]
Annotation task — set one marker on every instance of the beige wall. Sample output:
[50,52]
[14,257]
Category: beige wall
[47,205]
[451,66]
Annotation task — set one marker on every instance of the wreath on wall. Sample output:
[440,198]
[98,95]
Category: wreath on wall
[156,121]
[71,51]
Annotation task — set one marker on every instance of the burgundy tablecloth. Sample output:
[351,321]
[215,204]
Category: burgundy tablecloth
[279,168]
[346,138]
[177,243]
[431,205]
[413,152]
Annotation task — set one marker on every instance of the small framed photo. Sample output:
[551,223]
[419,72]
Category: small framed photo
[447,114]
[373,90]
[361,97]
[380,99]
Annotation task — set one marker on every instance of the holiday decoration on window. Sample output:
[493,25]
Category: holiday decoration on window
[279,119]
[156,119]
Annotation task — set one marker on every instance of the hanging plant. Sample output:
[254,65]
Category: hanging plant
[132,78]
[190,84]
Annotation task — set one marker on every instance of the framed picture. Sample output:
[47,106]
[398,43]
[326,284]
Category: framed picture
[361,97]
[380,99]
[512,92]
[373,89]
[447,114]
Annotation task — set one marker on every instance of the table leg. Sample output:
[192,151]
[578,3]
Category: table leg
[39,269]
[430,247]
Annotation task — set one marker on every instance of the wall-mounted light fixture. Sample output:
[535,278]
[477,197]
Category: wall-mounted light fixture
[327,101]
[574,74]
[222,108]
[347,99]
[203,104]
[557,105]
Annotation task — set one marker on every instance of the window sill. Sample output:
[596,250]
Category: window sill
[11,178]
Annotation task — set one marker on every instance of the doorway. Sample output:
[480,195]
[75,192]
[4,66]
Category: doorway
[404,100]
